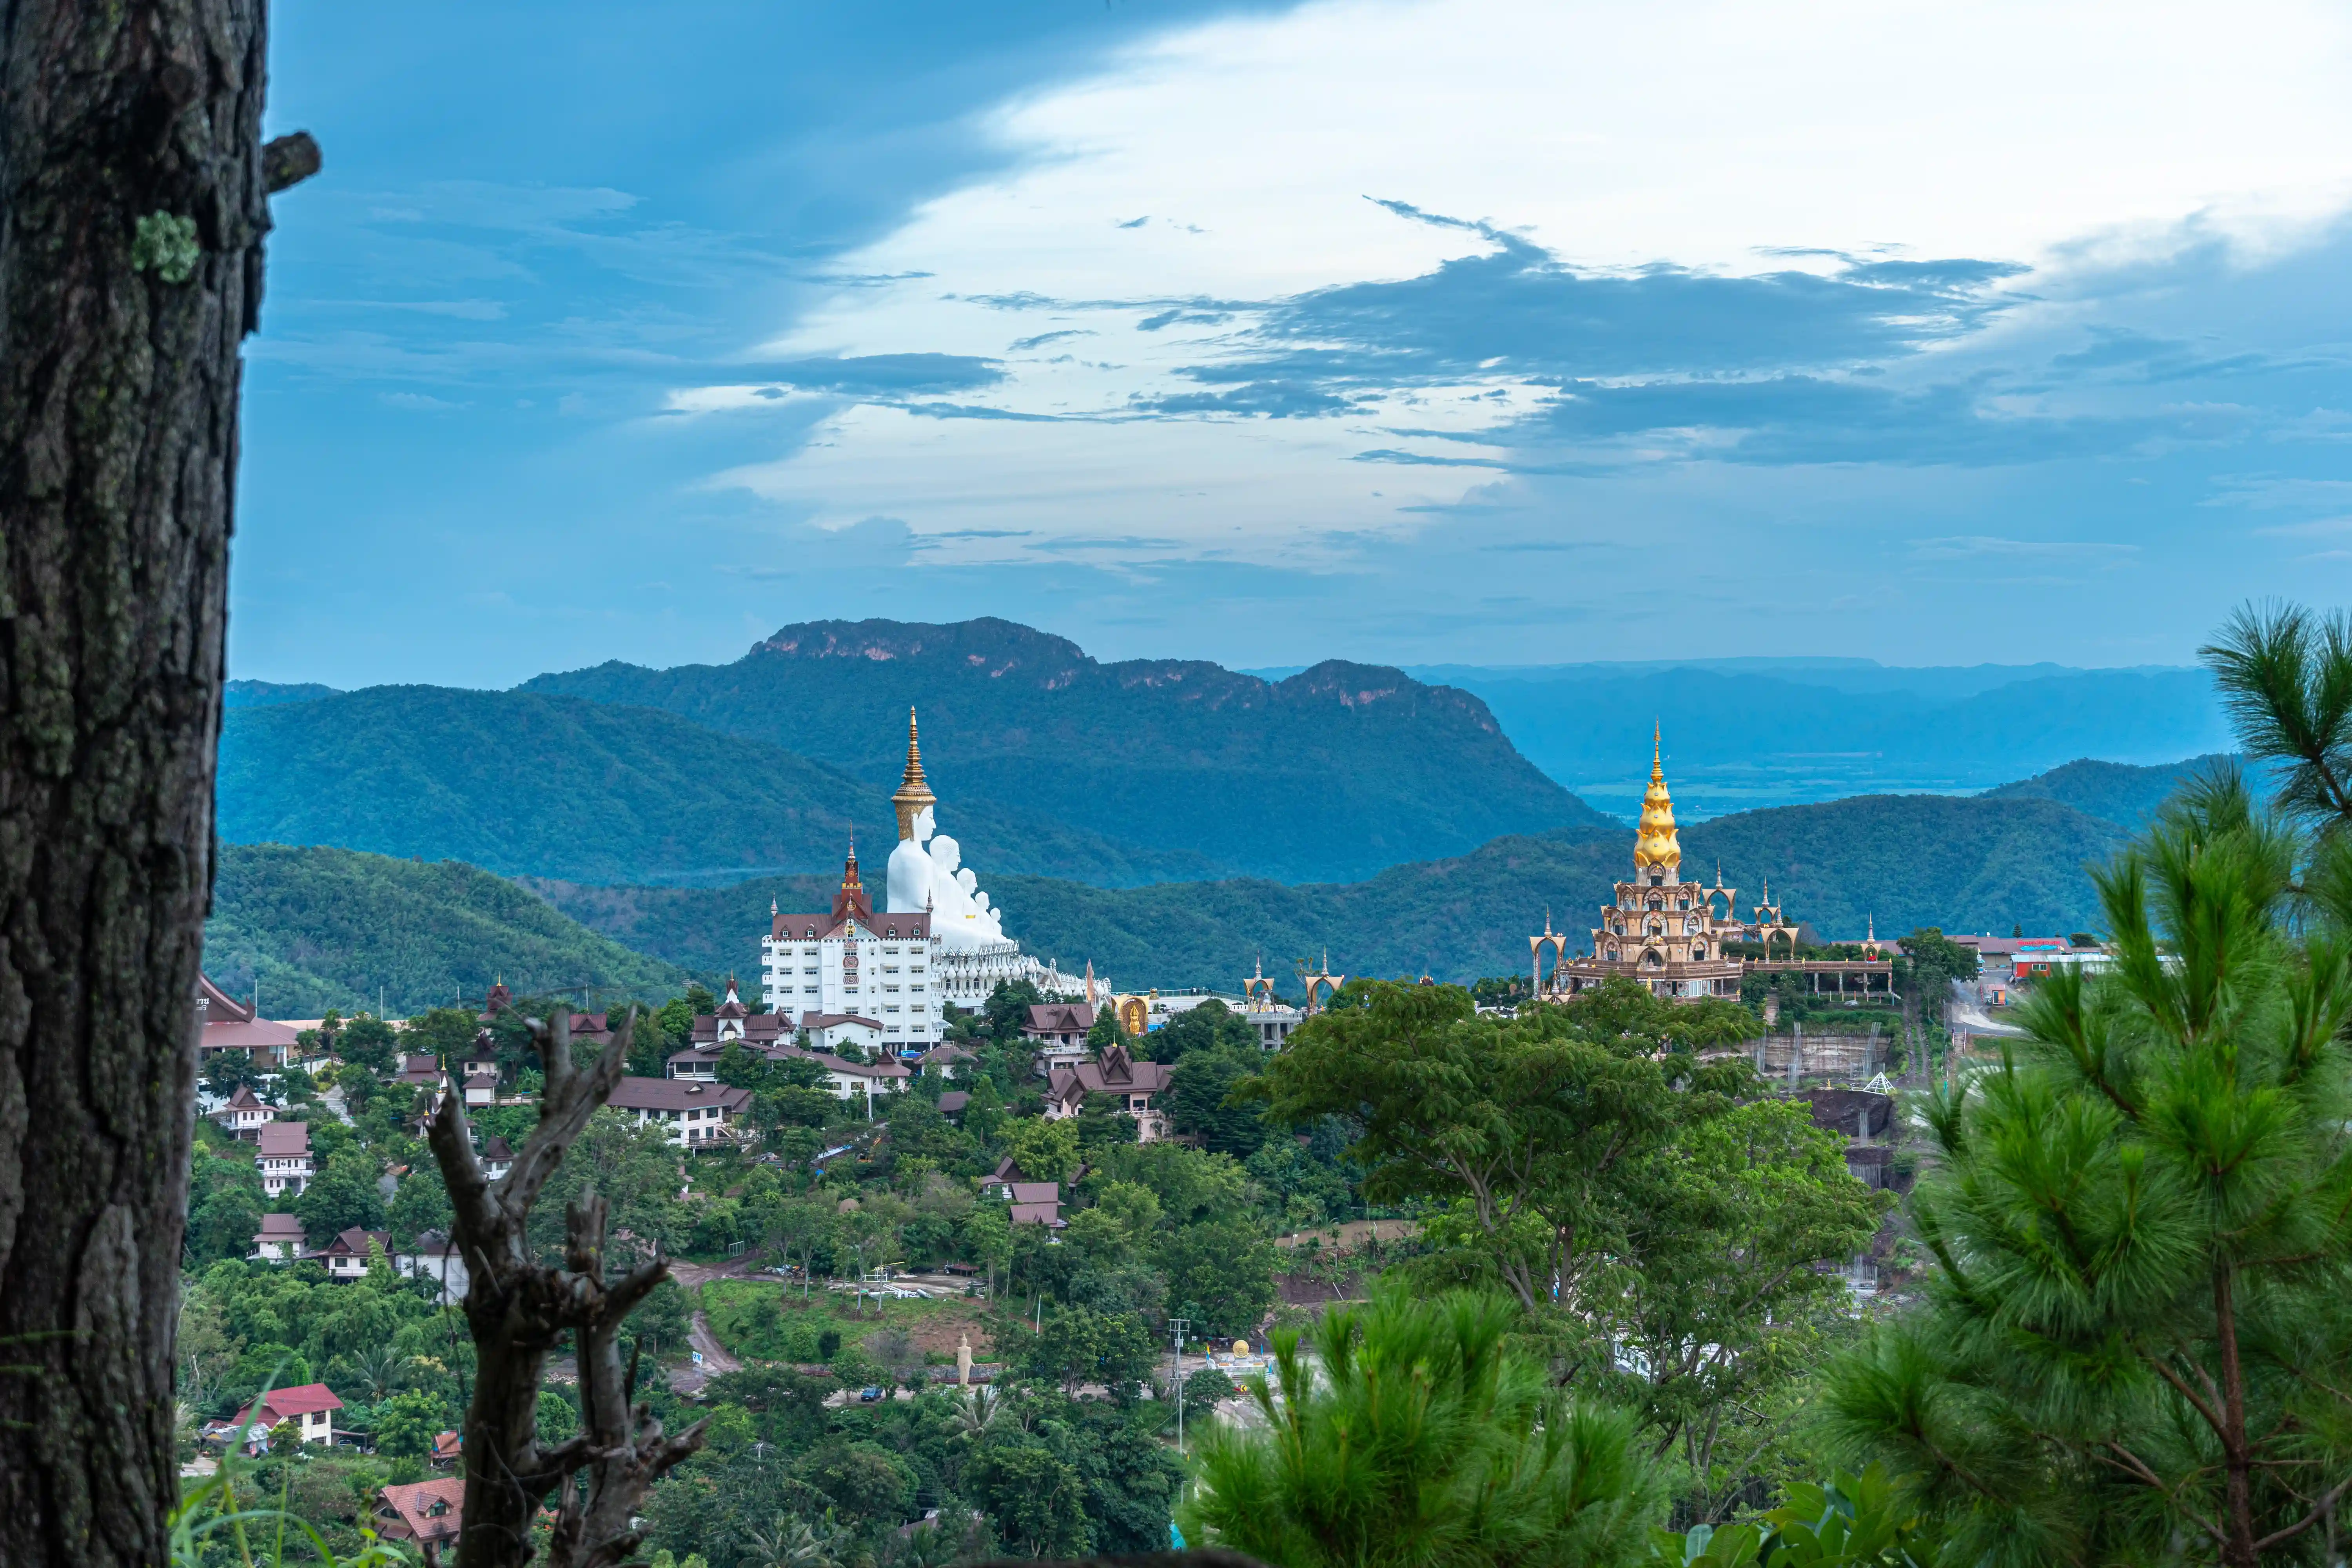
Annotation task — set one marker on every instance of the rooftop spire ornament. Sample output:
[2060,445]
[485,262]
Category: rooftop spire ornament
[913,792]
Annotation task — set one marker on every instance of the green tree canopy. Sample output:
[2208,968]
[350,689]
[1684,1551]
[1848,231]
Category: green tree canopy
[342,1194]
[2135,1338]
[1198,1091]
[1424,1440]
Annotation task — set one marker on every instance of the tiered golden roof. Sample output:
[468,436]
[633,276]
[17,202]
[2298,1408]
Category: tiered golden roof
[914,793]
[1656,844]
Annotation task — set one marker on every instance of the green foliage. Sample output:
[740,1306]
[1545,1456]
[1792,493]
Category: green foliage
[369,1041]
[407,1423]
[1619,1008]
[342,1194]
[558,1419]
[1197,1097]
[225,1204]
[1079,1345]
[1854,1521]
[419,1205]
[2119,793]
[1045,1151]
[1649,1211]
[166,245]
[2135,1335]
[1220,1274]
[325,928]
[229,1519]
[1035,1498]
[1424,1439]
[226,1071]
[2285,674]
[1210,1027]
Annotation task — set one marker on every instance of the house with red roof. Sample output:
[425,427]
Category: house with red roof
[308,1407]
[232,1026]
[430,1514]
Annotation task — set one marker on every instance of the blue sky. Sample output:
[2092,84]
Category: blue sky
[1409,332]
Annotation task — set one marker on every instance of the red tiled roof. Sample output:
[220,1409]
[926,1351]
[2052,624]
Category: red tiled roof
[285,1404]
[280,1227]
[411,1507]
[1061,1017]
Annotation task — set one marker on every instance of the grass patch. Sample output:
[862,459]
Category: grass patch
[762,1321]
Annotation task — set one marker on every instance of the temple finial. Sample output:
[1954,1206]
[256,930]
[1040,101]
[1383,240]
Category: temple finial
[914,796]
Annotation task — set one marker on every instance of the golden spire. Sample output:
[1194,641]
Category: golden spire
[1656,844]
[914,795]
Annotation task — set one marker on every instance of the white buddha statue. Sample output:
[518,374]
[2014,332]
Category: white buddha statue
[959,911]
[909,885]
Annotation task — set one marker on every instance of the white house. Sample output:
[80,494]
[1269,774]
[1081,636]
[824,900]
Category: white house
[243,1113]
[844,1078]
[434,1256]
[284,1157]
[346,1257]
[279,1239]
[311,1407]
[695,1113]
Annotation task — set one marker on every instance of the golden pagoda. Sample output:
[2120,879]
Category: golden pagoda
[914,795]
[1656,847]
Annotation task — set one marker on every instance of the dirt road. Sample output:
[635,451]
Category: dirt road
[688,1379]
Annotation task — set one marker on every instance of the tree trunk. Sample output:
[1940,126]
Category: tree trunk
[131,212]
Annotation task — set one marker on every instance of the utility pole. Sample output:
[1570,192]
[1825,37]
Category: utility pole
[1176,1331]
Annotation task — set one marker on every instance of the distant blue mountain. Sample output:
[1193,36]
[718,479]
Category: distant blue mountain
[1745,734]
[271,694]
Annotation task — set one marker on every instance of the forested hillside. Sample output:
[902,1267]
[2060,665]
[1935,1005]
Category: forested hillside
[1905,860]
[326,928]
[523,781]
[2116,792]
[1335,772]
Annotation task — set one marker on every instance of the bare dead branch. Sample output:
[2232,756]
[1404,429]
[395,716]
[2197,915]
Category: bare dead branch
[288,161]
[517,1307]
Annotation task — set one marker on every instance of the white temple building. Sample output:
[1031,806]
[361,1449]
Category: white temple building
[937,939]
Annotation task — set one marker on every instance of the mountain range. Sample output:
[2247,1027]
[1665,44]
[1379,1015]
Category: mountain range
[1333,773]
[522,782]
[1902,861]
[333,928]
[1741,733]
[1170,820]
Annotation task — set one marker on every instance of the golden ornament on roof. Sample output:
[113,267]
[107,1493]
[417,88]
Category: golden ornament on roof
[914,793]
[1656,843]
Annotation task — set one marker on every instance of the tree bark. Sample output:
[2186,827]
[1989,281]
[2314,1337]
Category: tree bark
[517,1307]
[132,206]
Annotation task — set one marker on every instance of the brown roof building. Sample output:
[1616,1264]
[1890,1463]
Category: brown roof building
[232,1026]
[427,1512]
[694,1111]
[1117,1073]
